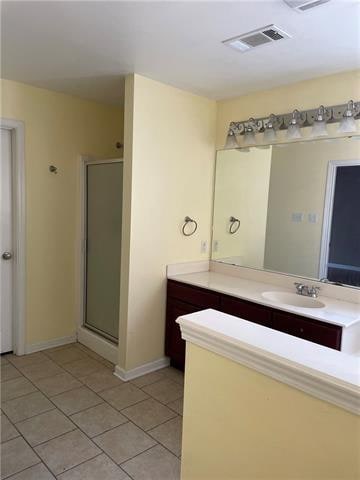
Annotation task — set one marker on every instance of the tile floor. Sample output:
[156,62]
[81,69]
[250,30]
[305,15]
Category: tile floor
[65,416]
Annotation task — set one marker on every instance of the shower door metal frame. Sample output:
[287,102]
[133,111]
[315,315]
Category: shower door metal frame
[85,161]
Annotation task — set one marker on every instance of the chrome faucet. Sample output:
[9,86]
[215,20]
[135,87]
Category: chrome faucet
[302,289]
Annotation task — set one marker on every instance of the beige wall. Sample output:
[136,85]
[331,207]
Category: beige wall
[241,190]
[58,128]
[242,425]
[297,184]
[169,162]
[330,90]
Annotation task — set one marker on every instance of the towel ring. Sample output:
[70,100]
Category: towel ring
[234,225]
[187,221]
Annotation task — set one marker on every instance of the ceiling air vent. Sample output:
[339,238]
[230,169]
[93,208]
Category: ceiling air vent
[304,5]
[256,38]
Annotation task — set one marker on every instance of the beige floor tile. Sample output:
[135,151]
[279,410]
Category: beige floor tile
[57,384]
[82,368]
[99,419]
[16,455]
[169,434]
[123,396]
[165,391]
[44,427]
[66,355]
[98,468]
[27,406]
[174,374]
[101,380]
[8,431]
[66,451]
[76,400]
[8,372]
[148,379]
[124,442]
[16,388]
[25,360]
[4,359]
[177,405]
[148,414]
[36,371]
[154,464]
[37,472]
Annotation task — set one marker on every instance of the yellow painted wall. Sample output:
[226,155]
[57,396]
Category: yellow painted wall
[241,191]
[169,162]
[330,90]
[298,184]
[58,128]
[242,425]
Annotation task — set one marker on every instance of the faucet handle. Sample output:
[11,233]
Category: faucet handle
[314,291]
[299,286]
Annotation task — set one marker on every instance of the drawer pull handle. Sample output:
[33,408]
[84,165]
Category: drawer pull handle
[301,330]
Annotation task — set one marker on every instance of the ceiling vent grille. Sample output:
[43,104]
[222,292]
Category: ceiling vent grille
[304,5]
[256,38]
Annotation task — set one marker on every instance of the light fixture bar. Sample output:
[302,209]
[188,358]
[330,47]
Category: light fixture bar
[333,114]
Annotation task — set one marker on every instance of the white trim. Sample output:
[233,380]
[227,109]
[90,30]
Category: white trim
[126,375]
[56,342]
[311,381]
[328,211]
[98,344]
[84,161]
[19,295]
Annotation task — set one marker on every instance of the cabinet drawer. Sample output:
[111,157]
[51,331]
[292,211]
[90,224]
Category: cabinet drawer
[308,329]
[193,295]
[246,310]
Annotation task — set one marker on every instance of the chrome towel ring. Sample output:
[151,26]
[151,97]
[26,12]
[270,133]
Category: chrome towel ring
[186,223]
[234,225]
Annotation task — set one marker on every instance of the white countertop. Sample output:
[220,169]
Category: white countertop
[336,312]
[320,371]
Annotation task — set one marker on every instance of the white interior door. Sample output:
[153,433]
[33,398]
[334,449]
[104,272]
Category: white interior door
[6,259]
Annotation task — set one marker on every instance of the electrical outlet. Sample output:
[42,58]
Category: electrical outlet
[216,245]
[203,246]
[312,218]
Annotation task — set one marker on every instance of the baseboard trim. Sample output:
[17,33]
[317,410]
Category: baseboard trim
[56,342]
[98,344]
[126,375]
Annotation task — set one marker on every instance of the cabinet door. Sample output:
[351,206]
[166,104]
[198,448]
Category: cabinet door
[197,296]
[246,310]
[174,344]
[312,330]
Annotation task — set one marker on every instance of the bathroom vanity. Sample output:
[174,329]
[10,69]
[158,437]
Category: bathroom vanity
[323,324]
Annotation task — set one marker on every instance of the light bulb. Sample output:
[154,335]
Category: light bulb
[293,130]
[319,125]
[249,137]
[347,123]
[231,141]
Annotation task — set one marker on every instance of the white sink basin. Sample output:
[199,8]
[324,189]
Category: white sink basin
[293,299]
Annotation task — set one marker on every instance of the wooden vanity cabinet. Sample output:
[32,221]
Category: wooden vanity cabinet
[183,299]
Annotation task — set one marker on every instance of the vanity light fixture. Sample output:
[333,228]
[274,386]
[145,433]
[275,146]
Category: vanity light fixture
[249,132]
[270,132]
[231,141]
[318,118]
[319,125]
[293,130]
[347,123]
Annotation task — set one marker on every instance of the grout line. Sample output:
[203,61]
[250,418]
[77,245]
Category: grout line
[104,401]
[33,416]
[53,438]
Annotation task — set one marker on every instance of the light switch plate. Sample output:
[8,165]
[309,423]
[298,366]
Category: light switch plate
[297,217]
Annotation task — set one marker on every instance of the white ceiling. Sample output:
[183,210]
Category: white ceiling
[85,48]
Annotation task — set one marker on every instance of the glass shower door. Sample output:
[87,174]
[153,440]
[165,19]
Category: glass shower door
[104,183]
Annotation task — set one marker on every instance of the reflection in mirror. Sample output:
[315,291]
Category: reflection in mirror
[298,209]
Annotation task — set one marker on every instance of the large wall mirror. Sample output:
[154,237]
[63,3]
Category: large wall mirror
[292,208]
